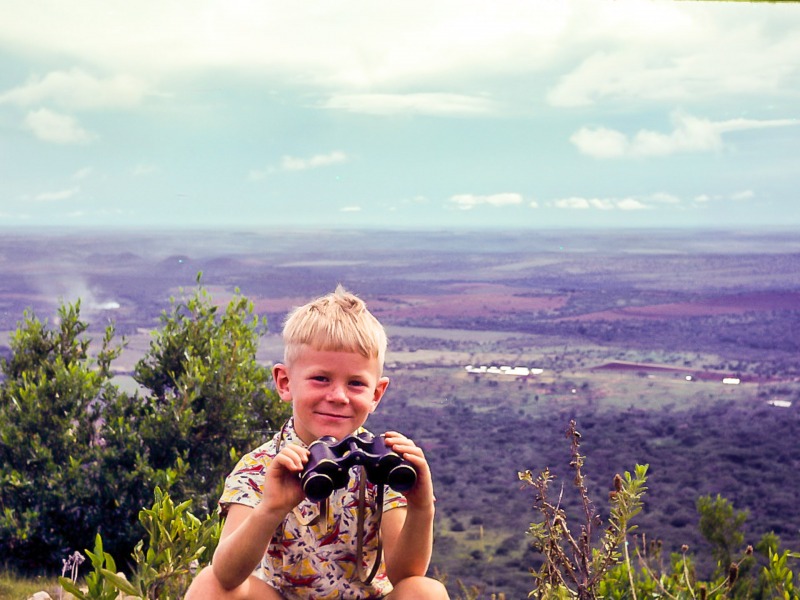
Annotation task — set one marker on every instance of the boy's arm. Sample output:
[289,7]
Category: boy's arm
[245,536]
[408,532]
[248,531]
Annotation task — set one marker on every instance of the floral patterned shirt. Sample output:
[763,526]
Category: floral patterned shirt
[313,555]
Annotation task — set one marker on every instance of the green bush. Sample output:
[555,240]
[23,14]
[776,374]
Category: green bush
[79,457]
[208,399]
[52,404]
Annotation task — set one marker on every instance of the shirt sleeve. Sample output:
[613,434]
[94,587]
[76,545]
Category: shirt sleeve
[243,485]
[393,499]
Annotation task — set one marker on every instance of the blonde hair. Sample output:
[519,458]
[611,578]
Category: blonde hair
[338,322]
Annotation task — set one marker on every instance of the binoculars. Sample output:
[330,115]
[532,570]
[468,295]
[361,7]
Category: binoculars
[329,465]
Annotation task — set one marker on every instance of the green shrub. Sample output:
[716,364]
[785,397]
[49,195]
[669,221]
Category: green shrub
[52,403]
[79,457]
[208,399]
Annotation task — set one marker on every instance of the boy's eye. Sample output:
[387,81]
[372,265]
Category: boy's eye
[357,383]
[319,378]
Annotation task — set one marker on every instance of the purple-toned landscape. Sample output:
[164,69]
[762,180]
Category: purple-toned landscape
[672,348]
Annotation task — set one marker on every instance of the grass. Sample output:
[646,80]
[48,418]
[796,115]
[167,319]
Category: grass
[14,587]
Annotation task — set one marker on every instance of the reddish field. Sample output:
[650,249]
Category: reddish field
[466,300]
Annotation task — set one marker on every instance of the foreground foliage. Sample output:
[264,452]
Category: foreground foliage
[574,566]
[79,457]
[176,542]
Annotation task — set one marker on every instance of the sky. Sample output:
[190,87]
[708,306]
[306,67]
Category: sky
[399,114]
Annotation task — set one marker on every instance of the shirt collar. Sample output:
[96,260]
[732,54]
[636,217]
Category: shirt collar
[288,435]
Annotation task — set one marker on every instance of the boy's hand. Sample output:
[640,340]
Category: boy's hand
[282,489]
[421,495]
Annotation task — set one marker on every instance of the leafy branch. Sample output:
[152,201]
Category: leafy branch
[574,562]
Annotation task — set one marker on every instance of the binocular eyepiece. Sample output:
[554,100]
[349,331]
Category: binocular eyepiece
[329,465]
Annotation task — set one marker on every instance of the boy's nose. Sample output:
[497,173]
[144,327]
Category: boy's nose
[337,393]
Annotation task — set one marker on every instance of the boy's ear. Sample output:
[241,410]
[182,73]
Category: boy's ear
[380,390]
[280,375]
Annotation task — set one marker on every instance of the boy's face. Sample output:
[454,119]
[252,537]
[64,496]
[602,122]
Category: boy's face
[332,393]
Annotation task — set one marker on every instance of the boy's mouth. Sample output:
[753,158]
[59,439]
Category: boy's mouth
[332,415]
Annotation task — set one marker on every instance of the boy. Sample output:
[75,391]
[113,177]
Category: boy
[275,543]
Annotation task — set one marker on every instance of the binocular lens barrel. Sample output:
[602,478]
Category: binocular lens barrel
[317,486]
[402,478]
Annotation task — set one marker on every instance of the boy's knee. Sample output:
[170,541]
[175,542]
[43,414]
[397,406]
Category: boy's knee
[419,587]
[203,585]
[206,586]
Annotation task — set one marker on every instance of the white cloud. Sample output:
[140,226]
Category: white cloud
[143,169]
[572,202]
[604,204]
[743,195]
[81,174]
[250,73]
[745,124]
[600,142]
[689,134]
[350,209]
[674,52]
[631,204]
[423,104]
[57,195]
[292,163]
[664,198]
[401,57]
[53,127]
[576,202]
[601,203]
[354,44]
[76,89]
[740,196]
[469,201]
